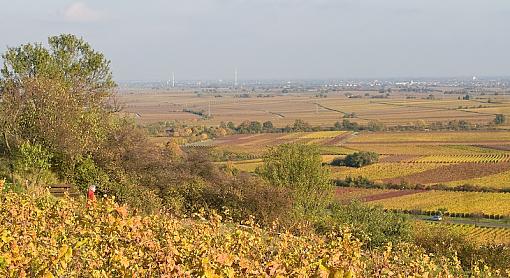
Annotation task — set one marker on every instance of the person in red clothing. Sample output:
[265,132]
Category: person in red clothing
[91,198]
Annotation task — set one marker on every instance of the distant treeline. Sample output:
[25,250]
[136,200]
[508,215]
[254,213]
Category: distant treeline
[248,127]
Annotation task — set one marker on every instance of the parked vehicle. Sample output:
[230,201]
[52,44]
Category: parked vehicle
[436,218]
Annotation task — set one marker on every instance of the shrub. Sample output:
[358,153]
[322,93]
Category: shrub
[299,168]
[87,173]
[360,159]
[32,162]
[372,224]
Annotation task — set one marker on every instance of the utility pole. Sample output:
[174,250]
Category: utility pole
[209,114]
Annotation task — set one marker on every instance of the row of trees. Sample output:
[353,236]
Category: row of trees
[248,127]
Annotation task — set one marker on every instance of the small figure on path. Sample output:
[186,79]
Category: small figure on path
[91,198]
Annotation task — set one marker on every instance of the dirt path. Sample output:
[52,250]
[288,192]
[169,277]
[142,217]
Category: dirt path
[371,196]
[340,139]
[388,195]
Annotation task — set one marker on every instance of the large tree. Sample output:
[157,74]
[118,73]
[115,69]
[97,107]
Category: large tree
[56,96]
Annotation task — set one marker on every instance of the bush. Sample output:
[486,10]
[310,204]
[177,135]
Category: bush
[337,161]
[33,163]
[446,242]
[88,173]
[360,159]
[299,169]
[68,240]
[371,224]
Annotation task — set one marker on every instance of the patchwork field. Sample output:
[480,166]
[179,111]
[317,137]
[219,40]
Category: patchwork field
[436,158]
[451,158]
[258,143]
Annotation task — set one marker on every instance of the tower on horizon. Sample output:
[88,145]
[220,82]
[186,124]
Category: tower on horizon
[235,78]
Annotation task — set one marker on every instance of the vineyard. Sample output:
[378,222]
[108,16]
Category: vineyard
[500,180]
[322,134]
[478,234]
[421,149]
[44,237]
[454,172]
[381,171]
[454,202]
[463,158]
[428,137]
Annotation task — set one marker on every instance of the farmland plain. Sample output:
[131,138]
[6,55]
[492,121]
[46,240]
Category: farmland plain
[451,158]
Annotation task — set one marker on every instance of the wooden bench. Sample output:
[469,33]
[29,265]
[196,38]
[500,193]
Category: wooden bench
[59,190]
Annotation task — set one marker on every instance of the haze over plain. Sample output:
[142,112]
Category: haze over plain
[276,39]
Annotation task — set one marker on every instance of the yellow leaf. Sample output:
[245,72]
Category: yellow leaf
[62,251]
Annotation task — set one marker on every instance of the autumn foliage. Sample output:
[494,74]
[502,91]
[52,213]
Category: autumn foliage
[44,236]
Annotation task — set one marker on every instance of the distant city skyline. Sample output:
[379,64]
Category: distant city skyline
[276,39]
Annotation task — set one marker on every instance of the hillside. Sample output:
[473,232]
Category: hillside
[45,236]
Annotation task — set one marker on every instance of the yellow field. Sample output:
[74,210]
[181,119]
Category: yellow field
[477,234]
[322,134]
[381,171]
[455,202]
[477,158]
[417,137]
[252,164]
[500,180]
[422,149]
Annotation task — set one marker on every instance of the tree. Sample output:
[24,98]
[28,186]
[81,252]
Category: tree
[346,124]
[500,119]
[360,159]
[375,125]
[300,125]
[299,168]
[231,125]
[68,59]
[268,125]
[32,162]
[255,127]
[55,96]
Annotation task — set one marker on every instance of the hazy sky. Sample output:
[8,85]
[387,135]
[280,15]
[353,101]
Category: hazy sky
[276,39]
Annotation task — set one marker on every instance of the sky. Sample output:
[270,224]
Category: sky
[275,39]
